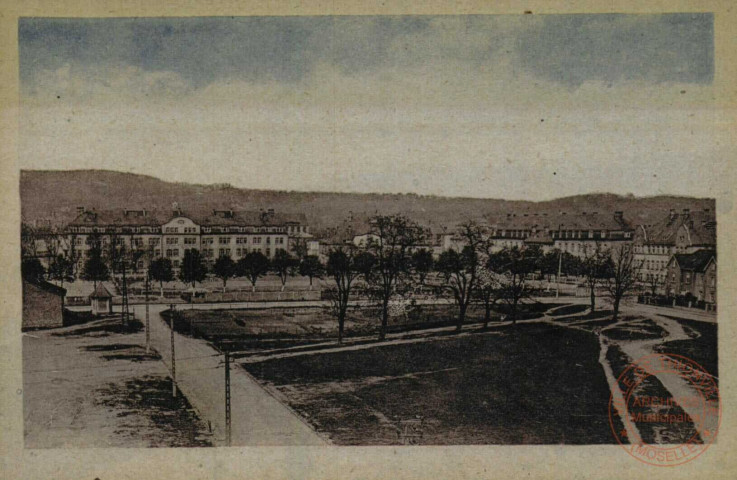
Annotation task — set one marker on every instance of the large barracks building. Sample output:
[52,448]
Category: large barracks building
[169,234]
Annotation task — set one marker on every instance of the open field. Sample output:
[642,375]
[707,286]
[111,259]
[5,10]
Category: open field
[93,385]
[701,347]
[528,384]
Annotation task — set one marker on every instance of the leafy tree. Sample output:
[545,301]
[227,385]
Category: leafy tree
[343,268]
[422,263]
[193,267]
[161,271]
[61,268]
[284,266]
[311,267]
[224,269]
[95,268]
[621,274]
[391,243]
[461,269]
[32,270]
[253,266]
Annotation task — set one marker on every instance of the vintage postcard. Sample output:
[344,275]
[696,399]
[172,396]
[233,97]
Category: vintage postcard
[463,242]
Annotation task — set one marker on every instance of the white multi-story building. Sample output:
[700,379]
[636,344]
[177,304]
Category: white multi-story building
[169,234]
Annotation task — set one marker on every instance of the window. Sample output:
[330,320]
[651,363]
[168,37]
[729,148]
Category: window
[172,241]
[279,241]
[171,230]
[190,229]
[224,240]
[157,252]
[207,241]
[175,263]
[190,240]
[168,252]
[153,241]
[268,240]
[268,252]
[175,252]
[224,252]
[256,240]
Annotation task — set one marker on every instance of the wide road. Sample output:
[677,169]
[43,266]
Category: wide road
[257,417]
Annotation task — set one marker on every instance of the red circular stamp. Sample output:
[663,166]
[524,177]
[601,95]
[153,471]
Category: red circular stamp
[666,411]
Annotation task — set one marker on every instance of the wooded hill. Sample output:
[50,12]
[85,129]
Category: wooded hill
[55,195]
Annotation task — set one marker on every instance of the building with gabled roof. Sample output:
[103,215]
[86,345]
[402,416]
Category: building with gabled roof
[684,232]
[168,234]
[693,274]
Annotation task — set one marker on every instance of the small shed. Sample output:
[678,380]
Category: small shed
[101,300]
[43,305]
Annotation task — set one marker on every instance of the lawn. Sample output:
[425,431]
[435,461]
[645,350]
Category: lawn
[701,348]
[248,329]
[639,329]
[529,384]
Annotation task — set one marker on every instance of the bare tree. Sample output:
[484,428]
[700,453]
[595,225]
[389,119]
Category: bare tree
[461,269]
[621,278]
[514,266]
[391,243]
[343,269]
[594,267]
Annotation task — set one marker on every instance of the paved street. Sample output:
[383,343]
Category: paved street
[258,417]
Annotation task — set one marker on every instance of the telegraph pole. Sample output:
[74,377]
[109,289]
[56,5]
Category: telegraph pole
[148,329]
[173,356]
[557,278]
[227,398]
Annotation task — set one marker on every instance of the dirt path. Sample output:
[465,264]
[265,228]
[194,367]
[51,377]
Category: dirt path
[258,418]
[678,386]
[90,386]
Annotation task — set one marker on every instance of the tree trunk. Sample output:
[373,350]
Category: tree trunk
[487,314]
[616,309]
[341,323]
[593,298]
[384,318]
[461,315]
[161,284]
[253,287]
[283,284]
[310,283]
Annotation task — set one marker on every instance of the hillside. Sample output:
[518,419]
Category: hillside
[55,195]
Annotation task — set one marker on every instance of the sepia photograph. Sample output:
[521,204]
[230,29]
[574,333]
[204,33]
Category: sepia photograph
[399,231]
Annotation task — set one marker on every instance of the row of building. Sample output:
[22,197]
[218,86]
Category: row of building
[668,249]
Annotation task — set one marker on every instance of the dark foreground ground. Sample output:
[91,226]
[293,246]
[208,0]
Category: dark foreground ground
[529,384]
[93,385]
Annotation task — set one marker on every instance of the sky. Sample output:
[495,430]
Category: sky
[517,106]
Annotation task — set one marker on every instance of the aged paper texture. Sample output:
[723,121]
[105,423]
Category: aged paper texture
[367,239]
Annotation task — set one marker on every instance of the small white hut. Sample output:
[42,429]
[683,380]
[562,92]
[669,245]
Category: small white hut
[101,300]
